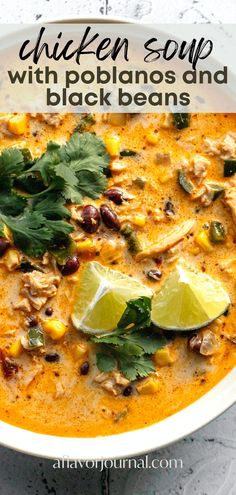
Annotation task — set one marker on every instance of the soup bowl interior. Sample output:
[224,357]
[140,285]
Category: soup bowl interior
[136,442]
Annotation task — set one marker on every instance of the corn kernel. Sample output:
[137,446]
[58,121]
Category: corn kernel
[54,328]
[164,174]
[18,124]
[152,137]
[80,350]
[139,220]
[11,259]
[202,240]
[118,166]
[194,250]
[113,145]
[83,246]
[15,349]
[163,357]
[148,386]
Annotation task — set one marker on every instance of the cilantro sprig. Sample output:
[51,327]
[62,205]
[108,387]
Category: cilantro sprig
[34,193]
[130,346]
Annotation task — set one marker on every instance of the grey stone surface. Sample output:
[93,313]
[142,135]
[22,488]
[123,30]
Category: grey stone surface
[209,455]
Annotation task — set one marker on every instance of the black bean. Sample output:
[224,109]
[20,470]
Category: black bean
[48,311]
[109,217]
[4,244]
[52,357]
[195,343]
[32,321]
[169,208]
[84,368]
[115,195]
[90,219]
[154,274]
[128,391]
[71,266]
[26,267]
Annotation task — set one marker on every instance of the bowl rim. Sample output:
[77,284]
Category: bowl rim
[134,442]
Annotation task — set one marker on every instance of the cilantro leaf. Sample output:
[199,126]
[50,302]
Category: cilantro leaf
[130,347]
[86,151]
[105,362]
[91,183]
[59,231]
[149,341]
[137,314]
[51,207]
[11,203]
[47,163]
[135,366]
[29,232]
[11,165]
[33,192]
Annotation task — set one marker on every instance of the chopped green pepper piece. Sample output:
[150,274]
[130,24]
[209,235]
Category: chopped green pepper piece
[217,232]
[85,121]
[35,337]
[62,254]
[181,120]
[140,182]
[215,191]
[131,238]
[184,182]
[128,153]
[229,168]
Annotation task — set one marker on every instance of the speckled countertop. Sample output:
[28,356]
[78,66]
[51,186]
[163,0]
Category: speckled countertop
[209,456]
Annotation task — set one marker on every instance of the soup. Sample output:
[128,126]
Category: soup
[117,267]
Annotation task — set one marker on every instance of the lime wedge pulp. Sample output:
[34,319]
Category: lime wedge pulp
[188,300]
[101,296]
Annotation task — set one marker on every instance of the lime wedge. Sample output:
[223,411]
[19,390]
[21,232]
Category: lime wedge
[101,296]
[188,300]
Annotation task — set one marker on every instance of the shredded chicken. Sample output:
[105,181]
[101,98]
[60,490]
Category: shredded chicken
[30,375]
[199,166]
[230,200]
[38,287]
[166,242]
[224,148]
[60,390]
[203,195]
[53,119]
[23,305]
[113,382]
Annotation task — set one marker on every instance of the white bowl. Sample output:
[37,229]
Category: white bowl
[132,443]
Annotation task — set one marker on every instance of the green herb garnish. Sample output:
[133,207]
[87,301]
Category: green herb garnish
[33,197]
[129,346]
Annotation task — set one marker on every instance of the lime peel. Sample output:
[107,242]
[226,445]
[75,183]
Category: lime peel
[188,300]
[101,296]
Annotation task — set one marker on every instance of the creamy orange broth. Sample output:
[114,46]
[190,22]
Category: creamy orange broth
[84,409]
